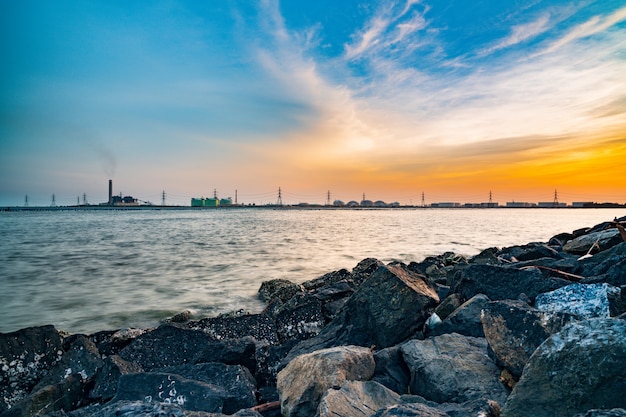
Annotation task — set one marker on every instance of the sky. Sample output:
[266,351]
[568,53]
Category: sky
[387,99]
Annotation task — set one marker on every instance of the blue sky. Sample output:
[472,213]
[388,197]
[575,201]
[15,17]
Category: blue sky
[387,98]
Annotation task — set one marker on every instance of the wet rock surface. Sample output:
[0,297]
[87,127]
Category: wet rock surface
[535,329]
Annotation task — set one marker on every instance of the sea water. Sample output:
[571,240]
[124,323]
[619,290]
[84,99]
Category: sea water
[91,270]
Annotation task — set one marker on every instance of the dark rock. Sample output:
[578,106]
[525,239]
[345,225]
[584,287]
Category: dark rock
[237,382]
[464,320]
[391,370]
[107,377]
[182,317]
[528,252]
[278,289]
[575,370]
[389,307]
[501,283]
[356,398]
[236,326]
[66,395]
[270,360]
[452,368]
[615,412]
[514,330]
[112,342]
[448,305]
[306,378]
[581,300]
[82,359]
[364,269]
[488,256]
[170,388]
[25,357]
[410,410]
[230,352]
[560,239]
[300,318]
[481,408]
[167,345]
[329,279]
[333,297]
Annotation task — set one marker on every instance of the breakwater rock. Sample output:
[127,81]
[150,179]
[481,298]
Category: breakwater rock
[532,330]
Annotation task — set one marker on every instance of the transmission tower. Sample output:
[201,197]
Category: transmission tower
[556,199]
[328,198]
[54,201]
[84,199]
[423,200]
[279,201]
[26,200]
[215,193]
[163,198]
[490,199]
[235,197]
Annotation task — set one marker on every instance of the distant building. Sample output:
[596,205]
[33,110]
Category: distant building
[446,205]
[550,204]
[338,203]
[367,203]
[519,204]
[352,204]
[380,203]
[581,204]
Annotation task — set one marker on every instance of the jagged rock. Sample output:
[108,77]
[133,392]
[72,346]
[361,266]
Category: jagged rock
[452,368]
[277,289]
[389,307]
[230,352]
[410,410]
[356,398]
[464,320]
[299,318]
[237,382]
[575,370]
[514,330]
[364,269]
[528,252]
[502,283]
[82,359]
[475,408]
[66,395]
[604,239]
[150,409]
[306,378]
[391,370]
[167,345]
[235,326]
[333,297]
[615,412]
[170,388]
[582,300]
[25,357]
[270,360]
[107,377]
[329,279]
[112,342]
[448,305]
[488,256]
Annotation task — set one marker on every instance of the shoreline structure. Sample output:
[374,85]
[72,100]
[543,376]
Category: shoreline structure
[535,329]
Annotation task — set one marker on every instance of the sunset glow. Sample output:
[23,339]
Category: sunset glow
[392,99]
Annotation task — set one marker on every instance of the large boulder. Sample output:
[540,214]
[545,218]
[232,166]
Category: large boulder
[230,352]
[391,370]
[514,330]
[410,410]
[392,305]
[237,325]
[356,398]
[237,382]
[108,376]
[602,239]
[306,378]
[452,368]
[277,289]
[502,283]
[582,300]
[575,370]
[25,358]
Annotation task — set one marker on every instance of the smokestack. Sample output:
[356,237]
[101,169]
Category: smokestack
[110,192]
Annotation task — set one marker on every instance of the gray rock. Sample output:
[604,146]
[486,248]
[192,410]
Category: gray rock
[328,280]
[452,368]
[582,300]
[391,370]
[236,380]
[448,305]
[277,289]
[230,352]
[235,326]
[575,370]
[25,357]
[306,378]
[300,318]
[615,412]
[356,399]
[514,330]
[502,283]
[605,239]
[530,251]
[107,377]
[464,320]
[410,410]
[170,388]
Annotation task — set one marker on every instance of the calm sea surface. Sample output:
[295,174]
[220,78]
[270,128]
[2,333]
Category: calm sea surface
[91,270]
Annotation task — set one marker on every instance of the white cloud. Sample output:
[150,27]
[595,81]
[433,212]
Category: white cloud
[521,33]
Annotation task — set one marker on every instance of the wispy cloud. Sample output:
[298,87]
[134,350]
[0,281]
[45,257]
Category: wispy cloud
[521,33]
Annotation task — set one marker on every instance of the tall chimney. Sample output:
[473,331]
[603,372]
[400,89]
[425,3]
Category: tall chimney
[110,192]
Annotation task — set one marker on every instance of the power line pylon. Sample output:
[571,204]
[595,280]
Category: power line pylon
[556,199]
[54,201]
[163,198]
[236,197]
[279,201]
[490,199]
[423,200]
[26,200]
[84,199]
[328,198]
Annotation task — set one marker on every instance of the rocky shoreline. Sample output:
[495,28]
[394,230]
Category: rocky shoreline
[531,330]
